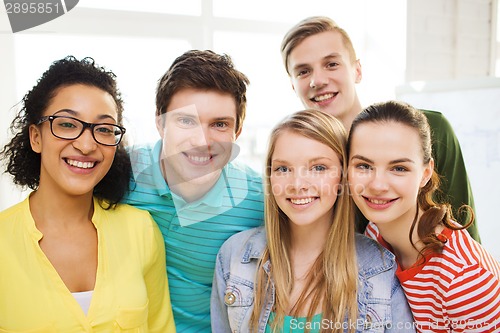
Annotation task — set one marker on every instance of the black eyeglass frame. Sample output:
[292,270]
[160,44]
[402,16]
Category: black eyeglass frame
[85,125]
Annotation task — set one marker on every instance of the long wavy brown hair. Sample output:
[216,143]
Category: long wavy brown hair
[434,213]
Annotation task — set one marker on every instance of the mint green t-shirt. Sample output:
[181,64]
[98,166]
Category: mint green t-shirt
[296,324]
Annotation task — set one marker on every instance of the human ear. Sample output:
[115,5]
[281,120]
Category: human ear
[35,138]
[237,134]
[429,170]
[160,123]
[358,71]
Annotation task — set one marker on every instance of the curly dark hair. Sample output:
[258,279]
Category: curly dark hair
[24,164]
[204,70]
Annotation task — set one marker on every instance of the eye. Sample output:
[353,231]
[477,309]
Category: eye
[281,169]
[363,166]
[302,72]
[106,129]
[186,121]
[399,168]
[66,123]
[220,125]
[332,65]
[319,168]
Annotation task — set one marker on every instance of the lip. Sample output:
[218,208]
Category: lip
[379,203]
[302,202]
[327,100]
[81,165]
[199,159]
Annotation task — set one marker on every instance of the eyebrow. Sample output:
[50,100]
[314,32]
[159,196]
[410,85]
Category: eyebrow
[396,161]
[225,119]
[76,113]
[334,55]
[314,160]
[195,115]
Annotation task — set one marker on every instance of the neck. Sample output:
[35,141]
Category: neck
[58,209]
[190,190]
[307,242]
[348,118]
[397,235]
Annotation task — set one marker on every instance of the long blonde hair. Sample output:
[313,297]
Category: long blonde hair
[333,278]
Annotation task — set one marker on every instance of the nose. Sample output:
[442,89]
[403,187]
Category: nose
[317,80]
[378,182]
[200,137]
[301,180]
[85,142]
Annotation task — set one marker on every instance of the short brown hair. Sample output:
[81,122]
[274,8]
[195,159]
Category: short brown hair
[309,27]
[204,70]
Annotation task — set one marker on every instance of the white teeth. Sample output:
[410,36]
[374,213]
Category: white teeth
[323,97]
[378,202]
[301,201]
[199,158]
[80,164]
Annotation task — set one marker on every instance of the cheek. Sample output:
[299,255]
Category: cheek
[356,182]
[330,185]
[278,186]
[109,155]
[223,138]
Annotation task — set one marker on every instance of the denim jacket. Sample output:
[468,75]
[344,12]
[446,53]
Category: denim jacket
[382,306]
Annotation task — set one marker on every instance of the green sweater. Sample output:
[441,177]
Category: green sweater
[455,187]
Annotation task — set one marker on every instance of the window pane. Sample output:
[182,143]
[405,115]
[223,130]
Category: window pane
[137,62]
[283,10]
[184,7]
[270,95]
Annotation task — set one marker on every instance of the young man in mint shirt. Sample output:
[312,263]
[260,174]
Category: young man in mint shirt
[188,180]
[321,61]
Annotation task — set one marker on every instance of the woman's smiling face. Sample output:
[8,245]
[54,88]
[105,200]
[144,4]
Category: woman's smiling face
[75,166]
[305,177]
[386,171]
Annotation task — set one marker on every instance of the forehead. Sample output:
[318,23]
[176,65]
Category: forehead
[386,140]
[291,146]
[84,100]
[318,46]
[203,104]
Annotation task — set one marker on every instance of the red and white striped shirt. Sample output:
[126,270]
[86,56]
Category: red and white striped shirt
[455,291]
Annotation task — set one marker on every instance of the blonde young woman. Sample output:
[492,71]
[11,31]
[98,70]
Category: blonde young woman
[306,270]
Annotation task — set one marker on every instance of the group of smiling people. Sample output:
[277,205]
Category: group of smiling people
[346,232]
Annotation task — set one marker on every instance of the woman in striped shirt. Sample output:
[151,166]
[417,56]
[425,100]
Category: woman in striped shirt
[451,282]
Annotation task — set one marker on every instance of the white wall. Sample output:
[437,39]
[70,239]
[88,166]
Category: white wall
[472,107]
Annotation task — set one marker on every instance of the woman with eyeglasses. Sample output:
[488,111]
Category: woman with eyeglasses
[74,259]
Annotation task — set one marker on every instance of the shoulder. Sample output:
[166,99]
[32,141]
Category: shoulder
[437,120]
[463,250]
[251,241]
[127,215]
[372,257]
[239,168]
[143,153]
[12,214]
[14,210]
[245,183]
[12,218]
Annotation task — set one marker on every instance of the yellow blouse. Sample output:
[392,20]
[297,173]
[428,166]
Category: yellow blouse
[131,290]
